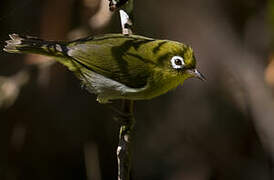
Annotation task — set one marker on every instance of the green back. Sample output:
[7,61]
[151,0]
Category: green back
[127,59]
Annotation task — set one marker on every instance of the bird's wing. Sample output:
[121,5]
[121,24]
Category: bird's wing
[108,89]
[114,56]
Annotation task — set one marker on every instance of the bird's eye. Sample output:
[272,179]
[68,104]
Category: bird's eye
[177,62]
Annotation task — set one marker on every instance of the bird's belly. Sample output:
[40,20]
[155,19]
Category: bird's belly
[108,89]
[154,89]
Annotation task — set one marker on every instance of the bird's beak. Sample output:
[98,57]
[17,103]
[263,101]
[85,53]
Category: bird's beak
[195,73]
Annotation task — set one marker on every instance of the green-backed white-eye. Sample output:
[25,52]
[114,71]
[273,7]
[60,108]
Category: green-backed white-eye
[116,66]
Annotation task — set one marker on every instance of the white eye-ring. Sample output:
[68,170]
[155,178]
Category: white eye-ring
[177,62]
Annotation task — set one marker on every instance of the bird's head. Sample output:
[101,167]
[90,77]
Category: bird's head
[180,61]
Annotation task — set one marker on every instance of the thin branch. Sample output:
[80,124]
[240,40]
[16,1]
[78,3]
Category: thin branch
[116,4]
[124,150]
[126,22]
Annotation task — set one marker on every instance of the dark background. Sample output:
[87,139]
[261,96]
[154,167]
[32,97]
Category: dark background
[219,130]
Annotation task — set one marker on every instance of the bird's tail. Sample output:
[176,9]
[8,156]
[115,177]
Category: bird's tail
[28,44]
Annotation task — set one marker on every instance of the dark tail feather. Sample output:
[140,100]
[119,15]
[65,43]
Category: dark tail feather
[27,44]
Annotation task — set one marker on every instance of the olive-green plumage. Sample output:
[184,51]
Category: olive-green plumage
[116,66]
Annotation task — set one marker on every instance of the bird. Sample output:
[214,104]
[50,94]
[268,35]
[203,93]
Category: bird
[117,66]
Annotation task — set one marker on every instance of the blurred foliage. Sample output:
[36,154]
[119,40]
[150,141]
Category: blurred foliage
[271,13]
[218,130]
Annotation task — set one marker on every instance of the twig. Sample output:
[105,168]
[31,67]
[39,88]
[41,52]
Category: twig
[124,150]
[126,22]
[115,4]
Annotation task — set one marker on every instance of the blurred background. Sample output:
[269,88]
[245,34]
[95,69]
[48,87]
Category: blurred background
[51,128]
